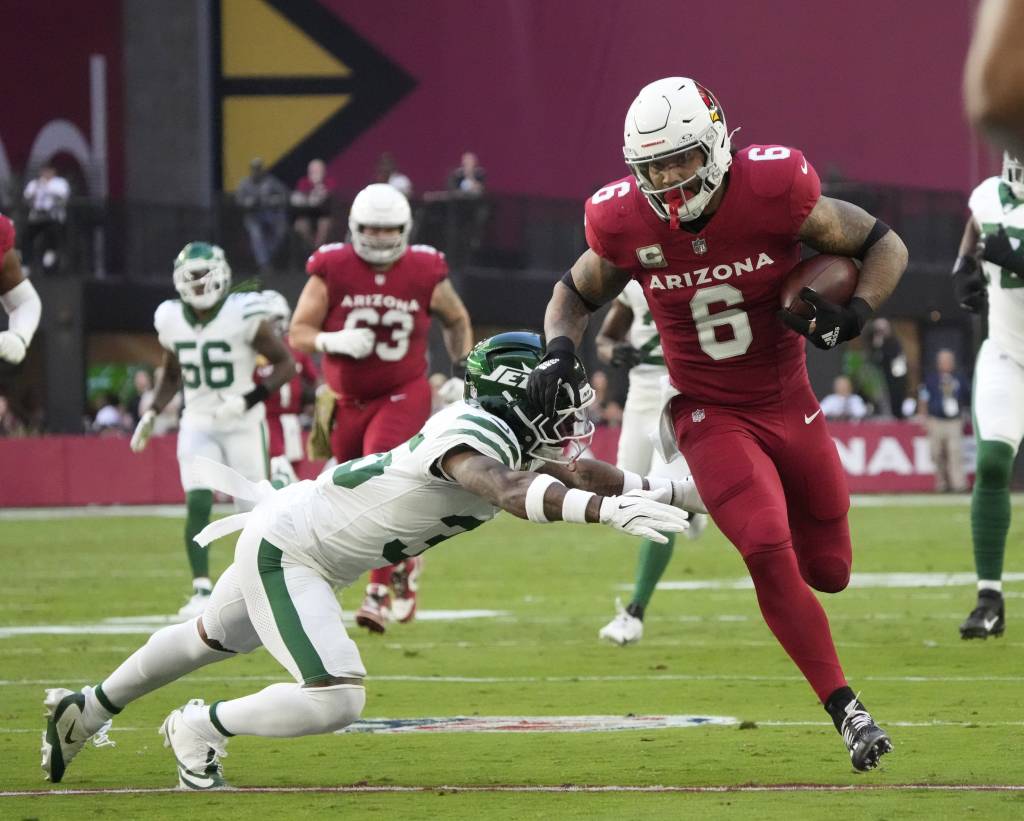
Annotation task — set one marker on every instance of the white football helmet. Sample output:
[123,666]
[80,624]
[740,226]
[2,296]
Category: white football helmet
[202,275]
[668,117]
[280,312]
[1013,174]
[380,206]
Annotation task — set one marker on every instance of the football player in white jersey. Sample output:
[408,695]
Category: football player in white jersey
[994,288]
[629,339]
[211,338]
[494,451]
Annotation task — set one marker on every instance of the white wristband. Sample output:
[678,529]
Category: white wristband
[631,481]
[574,505]
[535,497]
[318,341]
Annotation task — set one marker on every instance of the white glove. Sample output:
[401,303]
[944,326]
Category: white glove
[231,409]
[644,513]
[451,391]
[355,342]
[143,431]
[12,347]
[682,493]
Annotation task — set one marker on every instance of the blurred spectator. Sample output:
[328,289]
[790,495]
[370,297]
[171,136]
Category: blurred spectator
[46,197]
[469,178]
[312,202]
[387,171]
[141,384]
[843,405]
[167,420]
[111,417]
[10,424]
[943,399]
[264,198]
[886,354]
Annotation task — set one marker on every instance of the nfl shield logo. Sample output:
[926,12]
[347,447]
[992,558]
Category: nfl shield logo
[700,246]
[697,415]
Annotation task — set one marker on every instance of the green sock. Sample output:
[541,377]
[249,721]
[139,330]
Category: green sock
[990,507]
[651,563]
[198,504]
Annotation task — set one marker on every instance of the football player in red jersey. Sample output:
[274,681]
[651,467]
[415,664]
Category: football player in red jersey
[710,235]
[367,306]
[19,298]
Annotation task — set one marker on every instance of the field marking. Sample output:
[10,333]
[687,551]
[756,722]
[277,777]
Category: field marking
[537,788]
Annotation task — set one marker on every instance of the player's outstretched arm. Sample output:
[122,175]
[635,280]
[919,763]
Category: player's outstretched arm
[268,343]
[542,498]
[608,480]
[994,73]
[968,278]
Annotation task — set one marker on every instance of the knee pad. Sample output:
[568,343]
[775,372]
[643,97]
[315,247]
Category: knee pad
[827,574]
[995,464]
[337,706]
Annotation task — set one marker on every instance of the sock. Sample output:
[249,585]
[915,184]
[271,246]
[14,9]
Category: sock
[98,708]
[635,610]
[795,616]
[836,704]
[990,508]
[286,711]
[650,566]
[198,504]
[170,653]
[382,575]
[202,583]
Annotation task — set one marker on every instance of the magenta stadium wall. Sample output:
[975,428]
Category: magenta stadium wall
[539,89]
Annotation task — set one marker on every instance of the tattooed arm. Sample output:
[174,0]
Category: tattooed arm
[596,281]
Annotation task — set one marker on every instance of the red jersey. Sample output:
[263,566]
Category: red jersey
[288,399]
[6,235]
[394,304]
[713,294]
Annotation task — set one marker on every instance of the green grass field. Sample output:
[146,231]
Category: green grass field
[952,707]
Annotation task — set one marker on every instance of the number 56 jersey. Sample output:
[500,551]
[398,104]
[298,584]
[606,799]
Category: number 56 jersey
[217,357]
[714,294]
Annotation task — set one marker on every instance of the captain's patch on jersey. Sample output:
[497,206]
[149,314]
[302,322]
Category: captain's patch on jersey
[651,256]
[532,724]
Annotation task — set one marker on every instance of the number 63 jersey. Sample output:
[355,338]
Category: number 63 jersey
[217,357]
[394,304]
[714,294]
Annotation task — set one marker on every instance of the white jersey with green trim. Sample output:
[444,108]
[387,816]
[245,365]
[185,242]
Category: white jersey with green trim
[381,508]
[217,357]
[644,336]
[993,204]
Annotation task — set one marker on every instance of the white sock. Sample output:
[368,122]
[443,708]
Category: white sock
[986,584]
[288,710]
[170,653]
[202,583]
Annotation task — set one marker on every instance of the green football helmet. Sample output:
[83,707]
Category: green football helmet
[202,275]
[497,371]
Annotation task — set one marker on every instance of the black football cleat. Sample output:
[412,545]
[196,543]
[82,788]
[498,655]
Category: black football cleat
[866,741]
[988,618]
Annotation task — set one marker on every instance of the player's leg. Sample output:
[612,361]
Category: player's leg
[298,619]
[74,718]
[198,506]
[396,418]
[998,410]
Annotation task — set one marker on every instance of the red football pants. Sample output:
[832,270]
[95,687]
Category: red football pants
[772,481]
[378,425]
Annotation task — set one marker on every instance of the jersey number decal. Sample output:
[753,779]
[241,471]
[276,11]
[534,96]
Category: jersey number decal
[775,152]
[617,189]
[732,317]
[353,473]
[211,370]
[399,322]
[396,550]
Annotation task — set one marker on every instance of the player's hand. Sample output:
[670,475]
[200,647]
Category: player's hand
[831,324]
[12,347]
[969,285]
[644,513]
[355,342]
[143,431]
[625,355]
[547,378]
[230,409]
[996,248]
[451,391]
[680,493]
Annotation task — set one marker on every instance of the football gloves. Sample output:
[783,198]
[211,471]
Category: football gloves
[451,391]
[969,285]
[644,513]
[996,248]
[143,431]
[556,367]
[355,342]
[626,356]
[831,324]
[12,347]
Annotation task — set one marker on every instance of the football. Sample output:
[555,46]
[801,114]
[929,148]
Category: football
[834,278]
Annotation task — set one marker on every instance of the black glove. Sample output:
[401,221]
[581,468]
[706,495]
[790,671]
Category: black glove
[831,323]
[555,368]
[969,285]
[996,248]
[625,355]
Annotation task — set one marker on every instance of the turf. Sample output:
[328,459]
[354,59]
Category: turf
[705,652]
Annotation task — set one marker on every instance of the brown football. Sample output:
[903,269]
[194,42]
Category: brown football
[833,278]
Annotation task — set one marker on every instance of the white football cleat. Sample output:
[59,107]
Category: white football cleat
[65,733]
[405,583]
[375,611]
[623,629]
[698,524]
[194,607]
[198,760]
